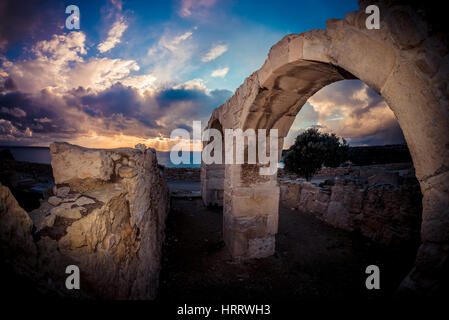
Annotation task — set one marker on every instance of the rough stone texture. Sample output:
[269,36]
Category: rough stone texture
[365,200]
[111,227]
[62,191]
[212,186]
[404,61]
[17,245]
[72,163]
[54,201]
[83,201]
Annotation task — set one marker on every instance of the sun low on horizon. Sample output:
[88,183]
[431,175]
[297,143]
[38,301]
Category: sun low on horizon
[136,70]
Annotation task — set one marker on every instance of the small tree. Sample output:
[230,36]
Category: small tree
[313,149]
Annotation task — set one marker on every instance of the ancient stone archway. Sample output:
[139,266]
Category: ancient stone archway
[404,63]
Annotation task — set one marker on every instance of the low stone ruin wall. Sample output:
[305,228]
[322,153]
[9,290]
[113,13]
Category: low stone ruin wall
[179,174]
[106,216]
[378,202]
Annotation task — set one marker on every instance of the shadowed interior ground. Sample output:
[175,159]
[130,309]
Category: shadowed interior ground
[312,261]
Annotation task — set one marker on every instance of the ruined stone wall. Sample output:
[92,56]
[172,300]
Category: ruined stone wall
[212,184]
[106,216]
[179,174]
[383,205]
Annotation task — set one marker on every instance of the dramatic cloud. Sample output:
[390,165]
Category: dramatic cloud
[214,52]
[21,20]
[11,132]
[220,73]
[59,65]
[352,110]
[42,120]
[63,96]
[50,66]
[57,84]
[114,36]
[15,112]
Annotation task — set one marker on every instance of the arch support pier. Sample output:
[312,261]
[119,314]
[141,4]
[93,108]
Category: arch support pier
[250,213]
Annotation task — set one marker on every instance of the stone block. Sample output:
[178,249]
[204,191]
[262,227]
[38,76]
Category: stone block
[261,247]
[254,206]
[372,62]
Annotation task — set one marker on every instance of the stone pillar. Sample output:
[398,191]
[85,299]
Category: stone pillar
[250,215]
[212,184]
[432,260]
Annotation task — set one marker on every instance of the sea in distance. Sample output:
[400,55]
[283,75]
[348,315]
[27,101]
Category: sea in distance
[42,155]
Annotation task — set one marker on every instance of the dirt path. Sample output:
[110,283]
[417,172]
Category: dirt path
[312,261]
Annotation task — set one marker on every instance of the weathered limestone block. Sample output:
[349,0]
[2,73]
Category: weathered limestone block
[254,205]
[62,192]
[250,237]
[406,31]
[250,215]
[72,163]
[54,201]
[126,172]
[290,192]
[404,88]
[16,242]
[83,201]
[212,184]
[315,46]
[338,216]
[66,210]
[112,229]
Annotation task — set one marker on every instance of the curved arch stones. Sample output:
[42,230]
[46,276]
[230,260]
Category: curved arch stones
[404,63]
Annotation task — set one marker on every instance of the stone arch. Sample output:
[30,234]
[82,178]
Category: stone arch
[403,62]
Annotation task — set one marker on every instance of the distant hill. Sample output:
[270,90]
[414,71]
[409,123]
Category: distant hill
[368,155]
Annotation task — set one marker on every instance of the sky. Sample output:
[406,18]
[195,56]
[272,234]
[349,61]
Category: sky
[136,70]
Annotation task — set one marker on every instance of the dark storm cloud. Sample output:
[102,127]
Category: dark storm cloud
[32,107]
[114,100]
[391,133]
[8,85]
[356,112]
[206,103]
[165,104]
[117,109]
[31,19]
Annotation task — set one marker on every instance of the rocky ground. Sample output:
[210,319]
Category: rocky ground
[312,261]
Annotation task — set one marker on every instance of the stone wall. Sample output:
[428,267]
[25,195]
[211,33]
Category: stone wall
[187,174]
[106,216]
[381,204]
[212,184]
